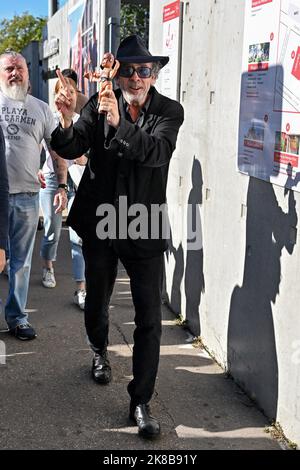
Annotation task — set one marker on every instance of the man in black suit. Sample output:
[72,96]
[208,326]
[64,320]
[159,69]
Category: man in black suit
[131,137]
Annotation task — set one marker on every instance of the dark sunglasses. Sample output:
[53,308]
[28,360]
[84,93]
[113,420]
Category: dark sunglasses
[127,71]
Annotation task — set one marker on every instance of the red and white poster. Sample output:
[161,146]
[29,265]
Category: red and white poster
[269,126]
[83,20]
[171,48]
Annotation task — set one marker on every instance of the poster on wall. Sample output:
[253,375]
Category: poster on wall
[269,125]
[171,48]
[83,24]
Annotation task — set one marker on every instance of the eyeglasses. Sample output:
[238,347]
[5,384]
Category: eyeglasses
[127,71]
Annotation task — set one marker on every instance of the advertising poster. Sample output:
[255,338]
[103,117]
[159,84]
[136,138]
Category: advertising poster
[171,48]
[83,44]
[269,126]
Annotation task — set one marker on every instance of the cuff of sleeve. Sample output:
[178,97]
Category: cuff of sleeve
[124,130]
[121,138]
[67,132]
[62,135]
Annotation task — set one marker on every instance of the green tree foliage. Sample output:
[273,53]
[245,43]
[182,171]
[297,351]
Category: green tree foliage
[19,31]
[134,20]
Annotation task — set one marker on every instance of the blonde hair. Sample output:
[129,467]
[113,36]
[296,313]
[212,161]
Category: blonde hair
[68,80]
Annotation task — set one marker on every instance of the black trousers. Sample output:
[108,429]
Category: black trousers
[145,275]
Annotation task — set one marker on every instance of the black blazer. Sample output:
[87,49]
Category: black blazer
[132,162]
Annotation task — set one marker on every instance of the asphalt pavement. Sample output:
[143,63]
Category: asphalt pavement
[49,401]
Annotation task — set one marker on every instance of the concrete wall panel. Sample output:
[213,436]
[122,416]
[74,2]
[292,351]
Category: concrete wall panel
[240,289]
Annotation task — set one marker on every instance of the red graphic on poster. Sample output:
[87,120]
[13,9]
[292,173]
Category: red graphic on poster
[258,3]
[286,159]
[258,66]
[171,11]
[254,144]
[296,66]
[287,148]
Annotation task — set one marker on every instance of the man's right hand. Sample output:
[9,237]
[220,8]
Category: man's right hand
[65,101]
[42,180]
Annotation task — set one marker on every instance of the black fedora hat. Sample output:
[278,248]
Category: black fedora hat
[133,50]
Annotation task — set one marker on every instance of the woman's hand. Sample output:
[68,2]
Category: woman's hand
[65,100]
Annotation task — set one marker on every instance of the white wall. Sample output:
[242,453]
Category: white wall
[242,285]
[57,28]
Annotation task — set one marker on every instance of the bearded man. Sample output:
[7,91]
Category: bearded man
[25,122]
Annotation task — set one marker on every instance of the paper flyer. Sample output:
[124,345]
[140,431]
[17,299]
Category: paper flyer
[269,125]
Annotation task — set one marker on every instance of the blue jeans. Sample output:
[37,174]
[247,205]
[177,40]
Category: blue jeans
[53,223]
[78,264]
[23,220]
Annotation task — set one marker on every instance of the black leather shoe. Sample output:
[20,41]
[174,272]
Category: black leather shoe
[101,371]
[148,426]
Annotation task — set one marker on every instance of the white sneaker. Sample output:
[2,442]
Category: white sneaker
[79,298]
[48,278]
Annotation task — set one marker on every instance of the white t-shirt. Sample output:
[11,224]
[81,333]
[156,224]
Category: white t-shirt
[25,125]
[75,171]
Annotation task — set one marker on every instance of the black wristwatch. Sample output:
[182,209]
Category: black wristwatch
[63,186]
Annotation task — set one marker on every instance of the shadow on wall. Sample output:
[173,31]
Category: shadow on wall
[252,352]
[194,277]
[193,269]
[252,357]
[175,298]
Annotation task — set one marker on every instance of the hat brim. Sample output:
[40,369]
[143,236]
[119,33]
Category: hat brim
[163,60]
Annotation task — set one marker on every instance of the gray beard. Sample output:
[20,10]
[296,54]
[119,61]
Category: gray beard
[134,100]
[15,91]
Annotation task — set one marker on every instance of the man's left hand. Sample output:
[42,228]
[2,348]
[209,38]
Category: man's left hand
[60,200]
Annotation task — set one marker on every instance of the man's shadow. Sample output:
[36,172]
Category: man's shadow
[175,296]
[190,272]
[252,357]
[194,276]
